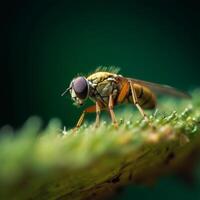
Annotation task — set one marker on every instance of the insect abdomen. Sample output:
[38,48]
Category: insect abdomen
[145,97]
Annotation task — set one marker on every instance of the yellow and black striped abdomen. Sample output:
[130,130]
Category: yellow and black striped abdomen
[146,98]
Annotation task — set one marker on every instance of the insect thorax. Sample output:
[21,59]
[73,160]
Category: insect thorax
[102,84]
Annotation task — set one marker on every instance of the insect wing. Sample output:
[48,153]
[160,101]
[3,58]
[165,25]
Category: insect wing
[163,89]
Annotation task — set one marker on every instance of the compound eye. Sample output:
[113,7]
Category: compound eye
[80,87]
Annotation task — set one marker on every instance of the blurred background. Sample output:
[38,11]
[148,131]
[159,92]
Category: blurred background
[45,43]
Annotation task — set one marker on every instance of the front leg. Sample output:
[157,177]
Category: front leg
[95,108]
[90,109]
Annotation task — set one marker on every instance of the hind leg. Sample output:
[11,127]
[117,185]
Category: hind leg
[135,101]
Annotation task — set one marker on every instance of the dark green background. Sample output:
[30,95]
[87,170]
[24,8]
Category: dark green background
[45,43]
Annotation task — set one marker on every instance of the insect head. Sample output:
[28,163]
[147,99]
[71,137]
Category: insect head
[79,90]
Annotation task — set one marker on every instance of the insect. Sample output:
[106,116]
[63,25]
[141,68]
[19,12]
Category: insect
[108,89]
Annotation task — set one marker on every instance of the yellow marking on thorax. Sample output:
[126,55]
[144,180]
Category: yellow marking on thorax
[99,75]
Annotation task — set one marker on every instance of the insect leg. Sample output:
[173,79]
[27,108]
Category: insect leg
[112,114]
[87,110]
[123,92]
[98,110]
[135,101]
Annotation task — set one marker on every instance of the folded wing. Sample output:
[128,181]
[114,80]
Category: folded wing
[163,89]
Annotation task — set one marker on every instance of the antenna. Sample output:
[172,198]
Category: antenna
[65,91]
